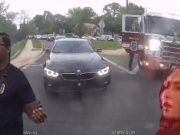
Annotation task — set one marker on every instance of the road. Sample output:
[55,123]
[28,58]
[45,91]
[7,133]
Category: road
[130,106]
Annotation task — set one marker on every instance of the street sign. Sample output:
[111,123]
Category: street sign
[101,23]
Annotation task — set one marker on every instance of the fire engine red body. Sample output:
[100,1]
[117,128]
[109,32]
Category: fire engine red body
[154,38]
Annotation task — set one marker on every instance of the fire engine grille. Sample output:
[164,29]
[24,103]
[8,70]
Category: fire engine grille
[171,53]
[75,77]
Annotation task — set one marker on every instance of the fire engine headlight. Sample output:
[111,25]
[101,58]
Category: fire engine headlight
[154,44]
[51,73]
[103,71]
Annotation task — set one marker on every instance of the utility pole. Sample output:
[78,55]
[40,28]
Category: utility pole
[127,6]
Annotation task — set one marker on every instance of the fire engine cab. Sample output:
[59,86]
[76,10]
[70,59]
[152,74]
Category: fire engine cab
[154,37]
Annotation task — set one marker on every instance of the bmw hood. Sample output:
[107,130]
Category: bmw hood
[68,63]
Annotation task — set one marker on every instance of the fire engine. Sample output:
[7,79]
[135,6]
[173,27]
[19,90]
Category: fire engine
[154,37]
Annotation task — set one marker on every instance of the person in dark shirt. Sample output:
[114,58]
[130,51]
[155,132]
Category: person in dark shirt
[131,57]
[170,104]
[16,94]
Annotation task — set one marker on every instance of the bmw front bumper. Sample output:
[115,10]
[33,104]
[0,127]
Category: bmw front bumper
[60,83]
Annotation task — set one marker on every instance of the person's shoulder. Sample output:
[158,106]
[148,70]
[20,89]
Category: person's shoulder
[13,68]
[15,71]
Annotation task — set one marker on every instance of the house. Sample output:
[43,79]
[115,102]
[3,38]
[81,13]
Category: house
[91,29]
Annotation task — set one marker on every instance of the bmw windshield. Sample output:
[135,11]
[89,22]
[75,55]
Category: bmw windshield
[72,47]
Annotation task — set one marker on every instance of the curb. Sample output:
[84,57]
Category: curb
[15,55]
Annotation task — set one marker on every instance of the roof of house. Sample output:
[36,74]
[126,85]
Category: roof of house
[90,25]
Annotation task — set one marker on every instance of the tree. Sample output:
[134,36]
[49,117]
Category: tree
[78,16]
[134,9]
[3,8]
[112,17]
[113,9]
[39,21]
[23,17]
[59,24]
[8,27]
[12,16]
[6,24]
[49,23]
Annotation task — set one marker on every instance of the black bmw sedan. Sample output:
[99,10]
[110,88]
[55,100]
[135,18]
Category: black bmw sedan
[73,63]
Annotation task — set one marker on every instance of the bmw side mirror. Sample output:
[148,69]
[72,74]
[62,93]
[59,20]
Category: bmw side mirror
[47,50]
[98,50]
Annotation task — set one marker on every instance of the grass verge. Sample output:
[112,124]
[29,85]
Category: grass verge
[106,45]
[17,48]
[36,44]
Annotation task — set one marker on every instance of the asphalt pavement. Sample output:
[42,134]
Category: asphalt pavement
[130,105]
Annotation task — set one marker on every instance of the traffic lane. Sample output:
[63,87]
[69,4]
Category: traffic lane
[41,60]
[125,105]
[122,60]
[47,44]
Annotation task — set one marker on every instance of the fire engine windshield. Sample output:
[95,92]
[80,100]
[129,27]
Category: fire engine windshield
[162,26]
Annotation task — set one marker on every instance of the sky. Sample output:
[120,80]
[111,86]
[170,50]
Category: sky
[34,7]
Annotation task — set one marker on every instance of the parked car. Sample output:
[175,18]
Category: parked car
[71,35]
[59,37]
[105,38]
[89,37]
[74,63]
[102,37]
[50,38]
[110,38]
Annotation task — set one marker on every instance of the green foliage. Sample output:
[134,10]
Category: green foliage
[49,23]
[78,16]
[73,22]
[3,7]
[8,27]
[134,9]
[113,16]
[6,24]
[22,32]
[36,44]
[18,47]
[106,45]
[113,9]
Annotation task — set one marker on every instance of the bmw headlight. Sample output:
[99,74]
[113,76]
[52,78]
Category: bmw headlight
[103,71]
[51,73]
[154,44]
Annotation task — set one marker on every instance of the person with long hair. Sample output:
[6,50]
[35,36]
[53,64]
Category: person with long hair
[170,104]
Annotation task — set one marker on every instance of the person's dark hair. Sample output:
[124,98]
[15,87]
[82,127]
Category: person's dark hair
[6,39]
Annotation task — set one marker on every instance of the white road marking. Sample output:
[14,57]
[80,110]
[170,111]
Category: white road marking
[40,56]
[23,68]
[31,65]
[134,71]
[35,65]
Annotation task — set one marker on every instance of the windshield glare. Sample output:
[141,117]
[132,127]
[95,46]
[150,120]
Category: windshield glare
[158,25]
[72,47]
